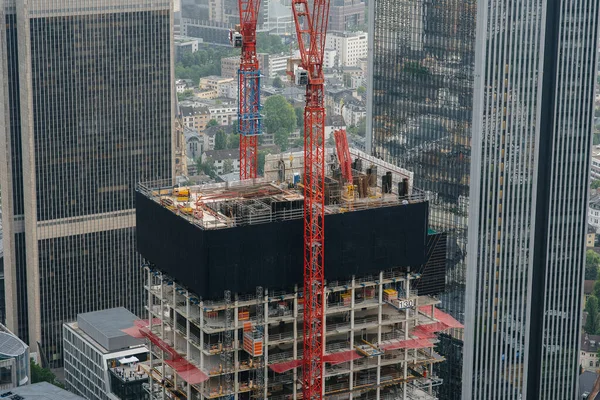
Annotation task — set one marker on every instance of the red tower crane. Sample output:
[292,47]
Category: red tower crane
[310,18]
[249,118]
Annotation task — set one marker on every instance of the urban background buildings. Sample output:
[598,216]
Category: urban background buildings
[84,117]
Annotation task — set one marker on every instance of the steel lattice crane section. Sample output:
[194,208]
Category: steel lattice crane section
[311,27]
[249,118]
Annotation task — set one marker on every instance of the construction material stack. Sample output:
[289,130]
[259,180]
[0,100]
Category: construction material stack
[249,118]
[311,27]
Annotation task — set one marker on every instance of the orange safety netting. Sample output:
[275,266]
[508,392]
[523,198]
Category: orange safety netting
[285,366]
[421,334]
[341,357]
[431,328]
[442,317]
[407,344]
[140,323]
[134,331]
[187,371]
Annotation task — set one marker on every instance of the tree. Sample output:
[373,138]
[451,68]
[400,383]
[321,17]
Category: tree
[40,374]
[278,83]
[227,166]
[592,262]
[206,168]
[212,122]
[185,95]
[220,140]
[361,90]
[361,128]
[233,141]
[595,184]
[279,114]
[281,138]
[596,291]
[261,162]
[300,118]
[592,322]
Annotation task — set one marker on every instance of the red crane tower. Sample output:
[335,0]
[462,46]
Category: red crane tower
[249,118]
[311,27]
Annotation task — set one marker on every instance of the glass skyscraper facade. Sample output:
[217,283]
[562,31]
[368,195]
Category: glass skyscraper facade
[533,112]
[87,99]
[419,116]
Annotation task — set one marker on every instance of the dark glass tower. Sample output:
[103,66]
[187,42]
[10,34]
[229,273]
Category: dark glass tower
[89,107]
[419,116]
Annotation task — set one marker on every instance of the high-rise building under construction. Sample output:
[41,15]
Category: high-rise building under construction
[419,117]
[225,278]
[86,111]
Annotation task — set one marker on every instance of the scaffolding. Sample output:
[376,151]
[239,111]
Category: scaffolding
[376,345]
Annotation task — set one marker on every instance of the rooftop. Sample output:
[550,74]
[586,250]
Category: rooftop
[225,205]
[590,343]
[105,328]
[38,391]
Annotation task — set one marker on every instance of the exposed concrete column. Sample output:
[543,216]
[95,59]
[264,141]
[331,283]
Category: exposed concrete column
[352,303]
[379,320]
[236,357]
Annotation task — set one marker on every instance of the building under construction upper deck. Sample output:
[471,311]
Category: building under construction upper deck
[239,236]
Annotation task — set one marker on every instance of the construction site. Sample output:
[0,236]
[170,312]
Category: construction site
[225,285]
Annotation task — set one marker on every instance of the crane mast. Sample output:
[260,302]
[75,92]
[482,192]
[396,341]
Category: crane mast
[249,118]
[311,28]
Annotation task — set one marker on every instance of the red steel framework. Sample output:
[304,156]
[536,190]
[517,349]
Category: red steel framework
[311,27]
[249,118]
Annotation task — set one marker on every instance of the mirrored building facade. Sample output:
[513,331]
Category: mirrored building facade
[419,116]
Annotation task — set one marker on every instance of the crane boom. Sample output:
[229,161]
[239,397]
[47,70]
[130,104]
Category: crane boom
[311,28]
[249,118]
[343,153]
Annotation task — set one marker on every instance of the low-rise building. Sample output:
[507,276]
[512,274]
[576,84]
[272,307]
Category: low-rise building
[230,66]
[185,45]
[101,358]
[227,161]
[38,391]
[224,113]
[194,143]
[180,86]
[590,237]
[594,212]
[332,123]
[595,164]
[224,161]
[14,360]
[350,46]
[588,356]
[353,113]
[214,82]
[194,116]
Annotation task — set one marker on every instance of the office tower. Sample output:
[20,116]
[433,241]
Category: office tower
[419,112]
[534,94]
[87,112]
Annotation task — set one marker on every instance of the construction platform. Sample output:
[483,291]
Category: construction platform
[379,341]
[224,277]
[254,229]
